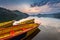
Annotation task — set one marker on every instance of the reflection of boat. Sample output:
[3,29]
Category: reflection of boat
[27,26]
[32,35]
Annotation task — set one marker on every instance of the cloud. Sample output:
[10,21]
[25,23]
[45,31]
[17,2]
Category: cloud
[36,9]
[40,9]
[26,8]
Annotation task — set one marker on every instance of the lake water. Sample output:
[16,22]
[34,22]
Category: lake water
[50,28]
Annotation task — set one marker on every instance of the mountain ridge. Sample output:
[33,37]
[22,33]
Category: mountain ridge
[7,15]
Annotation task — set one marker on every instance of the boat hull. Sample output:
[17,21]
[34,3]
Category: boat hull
[24,35]
[20,31]
[29,30]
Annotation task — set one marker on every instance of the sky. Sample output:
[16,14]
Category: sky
[32,6]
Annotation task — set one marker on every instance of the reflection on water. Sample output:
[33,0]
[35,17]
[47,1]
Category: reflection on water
[50,28]
[33,34]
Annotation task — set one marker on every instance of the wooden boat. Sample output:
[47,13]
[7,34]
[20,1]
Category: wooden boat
[27,21]
[16,30]
[6,24]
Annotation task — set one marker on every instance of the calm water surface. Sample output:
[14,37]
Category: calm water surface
[50,28]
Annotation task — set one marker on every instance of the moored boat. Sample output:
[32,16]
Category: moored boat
[6,24]
[17,30]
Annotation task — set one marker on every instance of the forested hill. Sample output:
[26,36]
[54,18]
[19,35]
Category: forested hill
[6,15]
